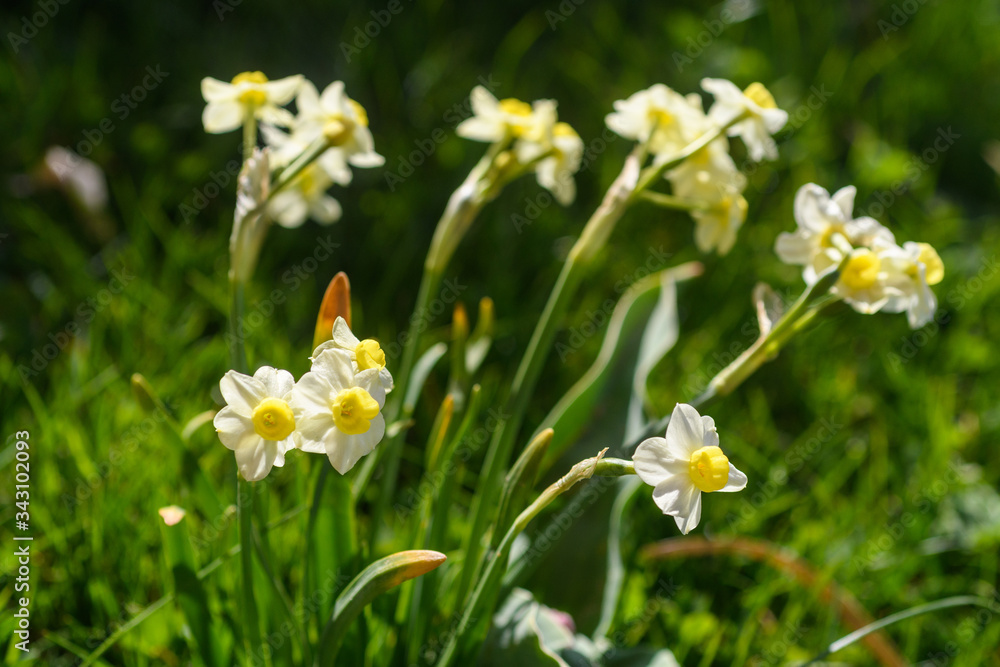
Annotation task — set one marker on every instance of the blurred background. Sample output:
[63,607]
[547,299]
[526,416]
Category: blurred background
[871,448]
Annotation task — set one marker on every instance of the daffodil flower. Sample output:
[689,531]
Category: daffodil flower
[257,423]
[495,120]
[342,121]
[365,354]
[864,280]
[912,271]
[761,115]
[685,464]
[710,177]
[338,411]
[249,95]
[555,173]
[660,117]
[303,198]
[819,216]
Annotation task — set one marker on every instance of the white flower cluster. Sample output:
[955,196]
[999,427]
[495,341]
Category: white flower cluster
[330,120]
[879,275]
[540,143]
[667,123]
[334,409]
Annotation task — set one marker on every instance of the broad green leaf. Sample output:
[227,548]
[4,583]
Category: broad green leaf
[528,634]
[629,321]
[379,577]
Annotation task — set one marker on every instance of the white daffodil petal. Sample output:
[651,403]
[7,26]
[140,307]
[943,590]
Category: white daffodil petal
[311,394]
[242,392]
[673,494]
[343,337]
[214,90]
[235,430]
[336,367]
[691,516]
[685,432]
[276,382]
[281,91]
[654,462]
[346,450]
[255,462]
[325,210]
[737,481]
[275,116]
[222,116]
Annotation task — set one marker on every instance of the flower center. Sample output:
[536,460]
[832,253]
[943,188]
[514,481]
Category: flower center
[253,96]
[826,240]
[933,266]
[760,95]
[709,469]
[353,409]
[273,419]
[369,355]
[515,107]
[564,130]
[360,112]
[861,271]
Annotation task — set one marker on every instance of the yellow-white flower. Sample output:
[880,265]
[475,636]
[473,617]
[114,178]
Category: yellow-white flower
[338,411]
[819,216]
[365,354]
[555,173]
[762,117]
[257,423]
[684,464]
[496,120]
[344,123]
[864,281]
[710,177]
[660,117]
[912,270]
[250,94]
[305,197]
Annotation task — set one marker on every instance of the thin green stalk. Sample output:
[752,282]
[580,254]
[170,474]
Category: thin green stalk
[592,239]
[483,597]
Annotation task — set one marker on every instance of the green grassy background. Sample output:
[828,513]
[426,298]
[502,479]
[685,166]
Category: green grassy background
[905,406]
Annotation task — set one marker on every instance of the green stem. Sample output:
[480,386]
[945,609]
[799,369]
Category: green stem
[481,601]
[592,239]
[670,201]
[244,489]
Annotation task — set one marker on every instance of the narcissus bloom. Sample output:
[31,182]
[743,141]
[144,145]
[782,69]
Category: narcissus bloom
[338,411]
[911,272]
[305,197]
[257,422]
[863,282]
[494,120]
[365,354]
[819,216]
[762,117]
[343,121]
[555,173]
[685,464]
[659,116]
[250,94]
[710,177]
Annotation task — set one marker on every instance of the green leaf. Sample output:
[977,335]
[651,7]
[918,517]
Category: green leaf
[379,577]
[528,634]
[630,319]
[519,483]
[421,371]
